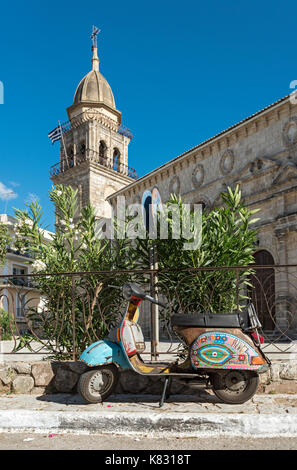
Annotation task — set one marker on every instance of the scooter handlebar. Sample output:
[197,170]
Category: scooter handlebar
[146,297]
[154,301]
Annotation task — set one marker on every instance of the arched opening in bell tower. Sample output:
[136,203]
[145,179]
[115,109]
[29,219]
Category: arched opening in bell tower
[116,163]
[70,155]
[81,151]
[102,152]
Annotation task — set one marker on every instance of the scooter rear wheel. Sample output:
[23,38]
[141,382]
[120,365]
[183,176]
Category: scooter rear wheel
[96,385]
[235,386]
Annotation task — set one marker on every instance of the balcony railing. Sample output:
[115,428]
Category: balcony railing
[17,281]
[94,157]
[25,254]
[123,130]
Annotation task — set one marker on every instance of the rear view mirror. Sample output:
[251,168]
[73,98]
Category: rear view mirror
[130,289]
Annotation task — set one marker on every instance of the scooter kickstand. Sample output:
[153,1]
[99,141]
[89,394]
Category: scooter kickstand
[167,383]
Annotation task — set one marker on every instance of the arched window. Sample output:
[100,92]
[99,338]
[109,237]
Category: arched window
[102,152]
[202,203]
[116,160]
[70,155]
[82,150]
[262,292]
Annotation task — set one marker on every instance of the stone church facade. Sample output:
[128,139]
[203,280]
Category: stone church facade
[259,153]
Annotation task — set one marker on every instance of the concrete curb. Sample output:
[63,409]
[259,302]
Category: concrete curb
[171,424]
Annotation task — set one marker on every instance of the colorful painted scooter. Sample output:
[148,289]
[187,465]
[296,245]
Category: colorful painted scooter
[224,353]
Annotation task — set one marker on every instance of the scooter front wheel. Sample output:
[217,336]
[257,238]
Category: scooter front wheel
[235,386]
[96,385]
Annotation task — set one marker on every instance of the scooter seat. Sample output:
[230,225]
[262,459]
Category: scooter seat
[209,320]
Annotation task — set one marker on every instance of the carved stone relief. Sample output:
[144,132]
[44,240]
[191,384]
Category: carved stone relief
[290,132]
[227,162]
[198,176]
[174,185]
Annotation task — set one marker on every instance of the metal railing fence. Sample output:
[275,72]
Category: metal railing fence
[62,313]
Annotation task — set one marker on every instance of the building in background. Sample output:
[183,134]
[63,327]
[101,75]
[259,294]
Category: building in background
[260,155]
[18,294]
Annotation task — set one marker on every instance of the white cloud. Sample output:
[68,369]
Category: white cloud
[7,193]
[14,184]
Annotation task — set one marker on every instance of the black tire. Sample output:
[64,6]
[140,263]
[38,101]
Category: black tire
[235,386]
[96,385]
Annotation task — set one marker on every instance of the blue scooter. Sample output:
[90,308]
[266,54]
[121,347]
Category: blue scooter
[224,351]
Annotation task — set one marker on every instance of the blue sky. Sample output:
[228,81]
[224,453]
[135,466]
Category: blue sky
[180,73]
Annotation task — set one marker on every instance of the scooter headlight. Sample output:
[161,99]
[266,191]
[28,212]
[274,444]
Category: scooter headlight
[127,291]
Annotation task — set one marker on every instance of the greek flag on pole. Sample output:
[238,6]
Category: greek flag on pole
[55,134]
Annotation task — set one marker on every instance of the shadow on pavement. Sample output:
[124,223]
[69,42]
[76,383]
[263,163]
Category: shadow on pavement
[70,399]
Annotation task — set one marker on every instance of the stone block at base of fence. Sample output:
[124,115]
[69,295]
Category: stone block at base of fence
[61,377]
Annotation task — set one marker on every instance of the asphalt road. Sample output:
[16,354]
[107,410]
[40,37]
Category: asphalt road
[17,441]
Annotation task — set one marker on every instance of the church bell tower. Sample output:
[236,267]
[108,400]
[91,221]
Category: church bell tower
[94,147]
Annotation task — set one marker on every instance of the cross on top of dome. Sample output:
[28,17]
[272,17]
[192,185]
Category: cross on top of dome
[94,88]
[95,32]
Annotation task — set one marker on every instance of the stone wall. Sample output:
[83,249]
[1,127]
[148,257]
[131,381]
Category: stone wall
[62,377]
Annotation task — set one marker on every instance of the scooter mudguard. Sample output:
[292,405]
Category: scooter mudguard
[220,350]
[104,352]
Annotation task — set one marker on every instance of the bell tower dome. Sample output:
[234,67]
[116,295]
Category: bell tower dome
[94,149]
